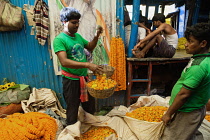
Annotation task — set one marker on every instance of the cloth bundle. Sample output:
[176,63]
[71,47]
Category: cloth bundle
[11,17]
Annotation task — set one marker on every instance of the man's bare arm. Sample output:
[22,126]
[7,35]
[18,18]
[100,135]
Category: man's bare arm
[179,101]
[65,62]
[91,45]
[155,32]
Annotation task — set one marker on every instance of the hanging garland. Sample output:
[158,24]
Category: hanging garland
[118,61]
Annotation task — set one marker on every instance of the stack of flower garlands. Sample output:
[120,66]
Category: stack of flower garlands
[207,117]
[6,86]
[118,61]
[150,114]
[97,133]
[101,82]
[28,126]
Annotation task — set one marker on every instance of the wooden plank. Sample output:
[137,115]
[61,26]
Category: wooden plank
[179,55]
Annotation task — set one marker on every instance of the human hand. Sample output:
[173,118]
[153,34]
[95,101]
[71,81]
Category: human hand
[95,68]
[135,48]
[99,30]
[166,119]
[148,31]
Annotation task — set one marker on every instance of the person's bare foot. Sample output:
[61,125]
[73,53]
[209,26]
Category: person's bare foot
[140,54]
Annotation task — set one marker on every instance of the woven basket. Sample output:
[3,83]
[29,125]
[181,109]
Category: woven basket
[101,94]
[108,70]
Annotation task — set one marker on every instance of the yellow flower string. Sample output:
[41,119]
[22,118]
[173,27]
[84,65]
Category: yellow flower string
[6,86]
[28,126]
[118,61]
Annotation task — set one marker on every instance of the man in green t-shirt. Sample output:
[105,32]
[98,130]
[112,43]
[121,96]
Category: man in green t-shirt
[192,91]
[69,47]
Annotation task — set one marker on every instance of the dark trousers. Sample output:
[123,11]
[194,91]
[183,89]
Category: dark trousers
[71,92]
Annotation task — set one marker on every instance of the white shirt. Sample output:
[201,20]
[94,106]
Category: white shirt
[141,34]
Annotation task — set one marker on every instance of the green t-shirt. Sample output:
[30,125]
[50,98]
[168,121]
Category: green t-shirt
[74,48]
[194,77]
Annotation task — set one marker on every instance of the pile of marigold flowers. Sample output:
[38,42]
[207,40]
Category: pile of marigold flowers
[101,82]
[181,43]
[150,113]
[207,117]
[28,126]
[6,86]
[97,133]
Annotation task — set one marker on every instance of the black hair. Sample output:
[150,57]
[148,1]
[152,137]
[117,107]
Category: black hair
[73,15]
[127,23]
[200,31]
[143,19]
[159,17]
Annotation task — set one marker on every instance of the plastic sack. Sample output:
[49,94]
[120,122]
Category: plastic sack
[15,94]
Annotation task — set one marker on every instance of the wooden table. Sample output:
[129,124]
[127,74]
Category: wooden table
[179,57]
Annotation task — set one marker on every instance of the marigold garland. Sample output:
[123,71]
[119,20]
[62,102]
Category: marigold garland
[28,126]
[97,133]
[150,114]
[118,61]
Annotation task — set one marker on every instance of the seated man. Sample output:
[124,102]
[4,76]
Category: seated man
[143,22]
[141,33]
[166,47]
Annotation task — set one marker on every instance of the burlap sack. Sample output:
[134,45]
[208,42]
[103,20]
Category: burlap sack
[142,129]
[11,17]
[87,120]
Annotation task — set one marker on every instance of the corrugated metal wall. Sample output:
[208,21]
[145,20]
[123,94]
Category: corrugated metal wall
[24,61]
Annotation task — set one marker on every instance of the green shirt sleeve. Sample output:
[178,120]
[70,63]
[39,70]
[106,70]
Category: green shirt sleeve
[58,45]
[194,76]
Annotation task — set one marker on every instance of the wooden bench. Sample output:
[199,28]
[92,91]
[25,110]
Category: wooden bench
[179,57]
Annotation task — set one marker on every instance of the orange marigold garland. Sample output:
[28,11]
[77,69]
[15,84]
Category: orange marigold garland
[28,126]
[150,114]
[118,61]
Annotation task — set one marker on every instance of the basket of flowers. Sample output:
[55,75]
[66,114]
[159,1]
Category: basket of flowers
[102,87]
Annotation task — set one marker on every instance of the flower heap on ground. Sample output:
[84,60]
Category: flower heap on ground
[118,61]
[150,113]
[97,133]
[28,126]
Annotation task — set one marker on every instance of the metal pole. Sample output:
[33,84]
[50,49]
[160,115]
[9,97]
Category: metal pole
[134,26]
